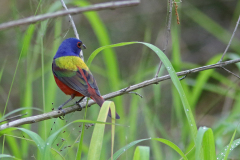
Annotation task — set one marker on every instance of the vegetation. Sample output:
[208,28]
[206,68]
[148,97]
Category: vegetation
[195,118]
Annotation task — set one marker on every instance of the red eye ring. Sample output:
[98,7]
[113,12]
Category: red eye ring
[79,44]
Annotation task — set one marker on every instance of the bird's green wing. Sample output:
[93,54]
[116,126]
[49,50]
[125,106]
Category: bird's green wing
[81,80]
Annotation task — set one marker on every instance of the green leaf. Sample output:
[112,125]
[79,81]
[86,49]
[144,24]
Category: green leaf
[2,69]
[7,156]
[142,153]
[123,149]
[79,150]
[233,144]
[202,79]
[172,73]
[51,138]
[36,138]
[98,132]
[167,142]
[205,144]
[172,145]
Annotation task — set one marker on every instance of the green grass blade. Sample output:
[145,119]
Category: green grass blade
[223,152]
[205,144]
[36,138]
[209,145]
[171,72]
[123,149]
[52,138]
[229,146]
[95,53]
[142,153]
[98,132]
[156,148]
[20,56]
[202,80]
[2,69]
[25,46]
[79,151]
[170,144]
[7,156]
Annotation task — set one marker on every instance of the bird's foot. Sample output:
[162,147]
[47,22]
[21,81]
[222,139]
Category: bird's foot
[80,107]
[63,111]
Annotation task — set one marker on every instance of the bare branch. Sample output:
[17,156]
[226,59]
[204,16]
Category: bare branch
[71,20]
[74,28]
[13,117]
[56,114]
[95,7]
[136,94]
[167,34]
[230,41]
[231,72]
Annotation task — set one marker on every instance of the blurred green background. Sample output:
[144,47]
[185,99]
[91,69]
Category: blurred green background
[26,79]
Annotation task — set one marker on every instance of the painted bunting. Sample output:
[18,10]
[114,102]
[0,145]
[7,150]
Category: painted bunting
[72,75]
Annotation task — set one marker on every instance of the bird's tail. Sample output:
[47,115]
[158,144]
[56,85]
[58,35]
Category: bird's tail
[99,100]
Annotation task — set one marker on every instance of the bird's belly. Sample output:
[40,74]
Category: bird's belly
[67,90]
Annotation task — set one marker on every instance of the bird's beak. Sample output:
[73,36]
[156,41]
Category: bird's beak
[84,47]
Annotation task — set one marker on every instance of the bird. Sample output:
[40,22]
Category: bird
[73,76]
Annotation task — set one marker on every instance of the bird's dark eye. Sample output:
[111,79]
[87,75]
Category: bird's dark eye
[79,44]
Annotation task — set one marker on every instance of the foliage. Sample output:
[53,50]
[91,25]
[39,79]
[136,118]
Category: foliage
[168,122]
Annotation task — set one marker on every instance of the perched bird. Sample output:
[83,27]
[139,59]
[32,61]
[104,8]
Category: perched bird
[72,75]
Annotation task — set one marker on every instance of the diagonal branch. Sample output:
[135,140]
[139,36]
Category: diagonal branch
[95,7]
[74,27]
[230,41]
[56,114]
[167,35]
[71,20]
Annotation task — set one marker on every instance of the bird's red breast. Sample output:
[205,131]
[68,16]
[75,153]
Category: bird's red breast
[67,90]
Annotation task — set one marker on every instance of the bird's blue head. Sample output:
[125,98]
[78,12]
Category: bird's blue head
[69,47]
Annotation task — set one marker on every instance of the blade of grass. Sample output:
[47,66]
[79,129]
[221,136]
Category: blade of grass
[2,69]
[177,114]
[142,153]
[201,80]
[170,144]
[230,145]
[223,152]
[171,72]
[150,129]
[7,156]
[79,150]
[98,132]
[205,144]
[28,92]
[10,140]
[125,148]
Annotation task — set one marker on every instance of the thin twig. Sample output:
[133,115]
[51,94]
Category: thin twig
[136,94]
[231,72]
[56,114]
[229,43]
[167,35]
[13,117]
[71,20]
[95,7]
[74,27]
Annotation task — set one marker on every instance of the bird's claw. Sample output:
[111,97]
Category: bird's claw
[60,109]
[80,107]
